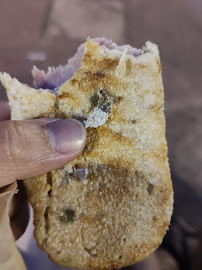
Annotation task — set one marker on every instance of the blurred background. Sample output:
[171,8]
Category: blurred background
[46,33]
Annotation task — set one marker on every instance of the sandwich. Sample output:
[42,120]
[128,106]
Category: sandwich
[111,206]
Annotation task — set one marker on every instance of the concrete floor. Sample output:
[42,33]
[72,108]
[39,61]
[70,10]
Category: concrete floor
[46,33]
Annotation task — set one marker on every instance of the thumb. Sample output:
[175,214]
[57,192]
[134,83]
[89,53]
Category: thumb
[33,147]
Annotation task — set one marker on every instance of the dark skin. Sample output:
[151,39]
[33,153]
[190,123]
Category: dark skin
[19,212]
[23,162]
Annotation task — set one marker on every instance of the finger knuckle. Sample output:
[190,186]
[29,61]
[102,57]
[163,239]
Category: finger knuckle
[11,139]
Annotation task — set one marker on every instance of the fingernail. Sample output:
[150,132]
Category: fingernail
[66,135]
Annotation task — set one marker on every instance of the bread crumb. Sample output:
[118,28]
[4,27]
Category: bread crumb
[96,118]
[99,115]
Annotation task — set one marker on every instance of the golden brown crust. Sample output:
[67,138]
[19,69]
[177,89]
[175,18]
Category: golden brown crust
[119,214]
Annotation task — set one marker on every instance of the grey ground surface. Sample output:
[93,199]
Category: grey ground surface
[52,30]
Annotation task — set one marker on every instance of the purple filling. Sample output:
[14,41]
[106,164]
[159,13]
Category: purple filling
[55,77]
[110,45]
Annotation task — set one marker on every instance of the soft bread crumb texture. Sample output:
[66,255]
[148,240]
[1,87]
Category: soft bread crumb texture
[27,102]
[120,213]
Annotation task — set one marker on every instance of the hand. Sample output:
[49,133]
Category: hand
[33,147]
